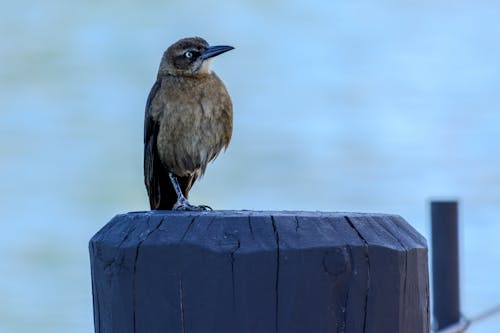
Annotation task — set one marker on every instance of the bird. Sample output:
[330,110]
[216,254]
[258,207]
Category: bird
[188,121]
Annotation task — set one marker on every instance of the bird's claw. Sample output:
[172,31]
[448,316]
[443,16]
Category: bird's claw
[205,207]
[184,205]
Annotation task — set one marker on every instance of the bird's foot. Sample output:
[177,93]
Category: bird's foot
[186,206]
[204,207]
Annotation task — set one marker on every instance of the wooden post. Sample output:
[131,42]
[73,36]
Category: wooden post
[259,272]
[445,276]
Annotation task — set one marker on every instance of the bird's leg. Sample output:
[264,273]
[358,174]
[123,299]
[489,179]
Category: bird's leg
[183,203]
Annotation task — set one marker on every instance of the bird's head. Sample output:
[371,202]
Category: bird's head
[190,57]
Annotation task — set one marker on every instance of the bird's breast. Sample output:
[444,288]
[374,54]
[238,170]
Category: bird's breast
[195,124]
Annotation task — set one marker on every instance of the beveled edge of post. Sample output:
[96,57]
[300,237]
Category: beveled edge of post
[384,223]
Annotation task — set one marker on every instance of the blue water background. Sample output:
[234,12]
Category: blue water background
[339,106]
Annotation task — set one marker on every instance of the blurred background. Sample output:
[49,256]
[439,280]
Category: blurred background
[339,106]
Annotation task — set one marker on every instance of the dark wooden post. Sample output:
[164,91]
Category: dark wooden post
[445,277]
[248,272]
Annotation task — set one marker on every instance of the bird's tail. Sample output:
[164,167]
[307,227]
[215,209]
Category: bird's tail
[161,192]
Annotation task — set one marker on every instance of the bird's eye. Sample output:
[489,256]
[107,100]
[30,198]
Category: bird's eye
[188,54]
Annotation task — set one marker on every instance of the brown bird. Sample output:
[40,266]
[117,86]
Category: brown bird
[189,119]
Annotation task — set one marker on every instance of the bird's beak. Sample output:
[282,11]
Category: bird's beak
[213,51]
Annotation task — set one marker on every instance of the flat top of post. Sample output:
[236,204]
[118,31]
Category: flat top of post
[235,213]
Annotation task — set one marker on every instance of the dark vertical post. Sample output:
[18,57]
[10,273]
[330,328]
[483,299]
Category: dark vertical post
[445,277]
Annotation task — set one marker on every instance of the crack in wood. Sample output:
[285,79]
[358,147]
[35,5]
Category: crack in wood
[134,276]
[297,226]
[250,227]
[368,279]
[346,301]
[117,262]
[405,269]
[181,303]
[188,228]
[210,223]
[233,284]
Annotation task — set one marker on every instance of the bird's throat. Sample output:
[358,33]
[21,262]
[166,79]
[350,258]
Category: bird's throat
[205,67]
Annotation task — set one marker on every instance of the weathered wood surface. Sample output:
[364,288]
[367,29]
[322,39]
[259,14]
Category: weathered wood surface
[258,272]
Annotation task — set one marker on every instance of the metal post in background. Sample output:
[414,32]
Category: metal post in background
[445,274]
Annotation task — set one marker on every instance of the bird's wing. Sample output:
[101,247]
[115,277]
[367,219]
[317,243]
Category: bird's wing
[155,175]
[227,119]
[223,117]
[160,189]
